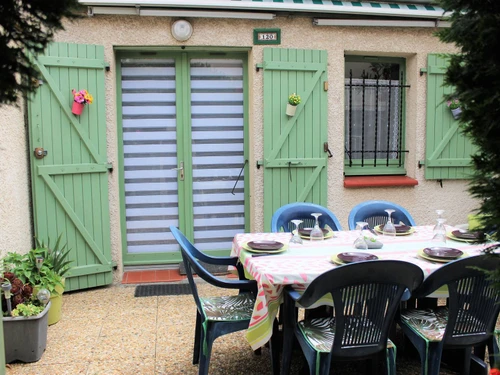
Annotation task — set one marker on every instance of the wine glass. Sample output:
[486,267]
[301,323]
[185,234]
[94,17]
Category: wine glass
[439,232]
[316,233]
[359,242]
[296,237]
[389,228]
[439,213]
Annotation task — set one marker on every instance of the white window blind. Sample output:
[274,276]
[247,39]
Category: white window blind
[217,146]
[150,154]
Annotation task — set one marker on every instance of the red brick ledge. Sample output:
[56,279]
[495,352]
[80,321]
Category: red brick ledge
[353,182]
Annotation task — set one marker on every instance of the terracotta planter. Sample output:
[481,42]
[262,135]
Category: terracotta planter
[25,338]
[290,109]
[77,108]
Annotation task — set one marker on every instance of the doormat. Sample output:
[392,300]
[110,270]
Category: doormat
[162,290]
[214,269]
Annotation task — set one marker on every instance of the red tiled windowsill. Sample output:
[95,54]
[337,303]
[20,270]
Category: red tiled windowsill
[353,182]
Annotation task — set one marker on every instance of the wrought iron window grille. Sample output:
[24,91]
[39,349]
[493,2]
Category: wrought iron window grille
[394,95]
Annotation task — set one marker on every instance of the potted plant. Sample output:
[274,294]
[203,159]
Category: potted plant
[25,319]
[293,101]
[44,268]
[80,98]
[454,106]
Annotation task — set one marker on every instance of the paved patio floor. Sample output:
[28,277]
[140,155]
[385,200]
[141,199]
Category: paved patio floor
[108,331]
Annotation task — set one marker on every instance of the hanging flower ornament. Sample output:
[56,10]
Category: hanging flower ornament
[294,99]
[80,98]
[454,106]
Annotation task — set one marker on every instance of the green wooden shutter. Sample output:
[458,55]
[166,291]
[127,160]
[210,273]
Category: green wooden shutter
[447,150]
[294,157]
[70,184]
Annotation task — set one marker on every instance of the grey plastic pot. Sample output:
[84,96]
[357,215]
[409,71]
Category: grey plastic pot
[25,338]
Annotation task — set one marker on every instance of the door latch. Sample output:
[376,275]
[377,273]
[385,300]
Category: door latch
[327,149]
[181,170]
[40,153]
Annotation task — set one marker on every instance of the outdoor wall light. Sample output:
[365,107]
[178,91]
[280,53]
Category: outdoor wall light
[182,30]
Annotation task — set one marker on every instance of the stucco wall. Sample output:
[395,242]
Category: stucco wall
[296,32]
[15,220]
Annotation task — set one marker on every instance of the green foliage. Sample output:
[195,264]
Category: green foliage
[294,99]
[53,266]
[26,26]
[56,257]
[27,310]
[475,74]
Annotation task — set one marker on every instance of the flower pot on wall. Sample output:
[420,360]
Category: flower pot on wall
[290,109]
[25,338]
[457,112]
[77,108]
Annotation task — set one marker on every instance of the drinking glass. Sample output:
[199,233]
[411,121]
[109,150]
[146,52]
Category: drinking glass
[439,213]
[359,242]
[296,237]
[439,232]
[316,233]
[389,228]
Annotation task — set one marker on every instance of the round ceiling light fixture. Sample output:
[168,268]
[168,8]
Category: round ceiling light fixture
[182,30]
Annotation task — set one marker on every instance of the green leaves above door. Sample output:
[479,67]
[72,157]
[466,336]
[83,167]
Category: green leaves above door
[294,155]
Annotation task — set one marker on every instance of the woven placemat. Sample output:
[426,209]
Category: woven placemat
[162,290]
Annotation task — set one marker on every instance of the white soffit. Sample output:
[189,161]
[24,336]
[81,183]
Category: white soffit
[326,7]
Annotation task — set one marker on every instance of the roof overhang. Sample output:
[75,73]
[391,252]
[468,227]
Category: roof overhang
[323,8]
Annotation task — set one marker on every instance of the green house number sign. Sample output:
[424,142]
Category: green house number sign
[267,36]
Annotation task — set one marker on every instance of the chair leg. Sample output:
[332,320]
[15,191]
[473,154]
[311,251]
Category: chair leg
[466,361]
[288,336]
[478,366]
[197,334]
[205,353]
[433,360]
[391,361]
[274,347]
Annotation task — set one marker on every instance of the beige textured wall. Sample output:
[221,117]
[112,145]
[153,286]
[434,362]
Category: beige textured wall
[297,32]
[15,219]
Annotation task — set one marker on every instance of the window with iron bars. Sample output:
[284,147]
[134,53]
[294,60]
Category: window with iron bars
[374,116]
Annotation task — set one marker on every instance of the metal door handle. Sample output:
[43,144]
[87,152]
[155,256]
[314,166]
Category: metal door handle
[181,169]
[40,153]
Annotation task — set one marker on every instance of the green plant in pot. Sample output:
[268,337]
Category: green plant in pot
[44,268]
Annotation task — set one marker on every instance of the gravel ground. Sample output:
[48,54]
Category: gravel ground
[108,331]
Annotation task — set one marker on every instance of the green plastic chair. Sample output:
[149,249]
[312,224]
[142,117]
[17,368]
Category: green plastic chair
[466,322]
[365,296]
[218,316]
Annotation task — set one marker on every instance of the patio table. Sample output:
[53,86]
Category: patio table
[300,264]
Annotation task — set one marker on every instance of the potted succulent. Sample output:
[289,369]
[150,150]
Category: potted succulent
[293,101]
[25,319]
[44,268]
[454,106]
